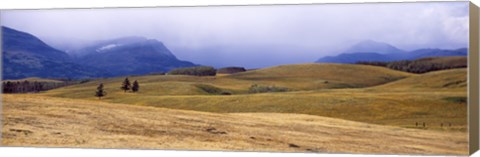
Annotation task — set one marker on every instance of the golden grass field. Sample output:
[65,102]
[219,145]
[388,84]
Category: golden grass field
[329,108]
[31,120]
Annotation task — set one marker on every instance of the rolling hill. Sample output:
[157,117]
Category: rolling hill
[340,98]
[30,120]
[321,76]
[295,77]
[451,61]
[331,108]
[438,80]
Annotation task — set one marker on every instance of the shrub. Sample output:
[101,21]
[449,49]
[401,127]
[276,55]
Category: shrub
[195,71]
[460,100]
[231,70]
[212,89]
[100,91]
[374,63]
[266,89]
[157,73]
[84,81]
[135,86]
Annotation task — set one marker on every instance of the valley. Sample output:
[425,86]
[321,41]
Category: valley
[327,108]
[371,98]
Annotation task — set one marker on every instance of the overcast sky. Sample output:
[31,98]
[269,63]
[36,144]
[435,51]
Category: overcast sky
[255,36]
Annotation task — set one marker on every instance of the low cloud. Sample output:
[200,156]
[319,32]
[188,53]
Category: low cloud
[239,35]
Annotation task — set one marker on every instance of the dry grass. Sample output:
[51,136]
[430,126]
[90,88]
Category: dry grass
[454,61]
[447,80]
[322,76]
[332,108]
[295,77]
[416,99]
[32,120]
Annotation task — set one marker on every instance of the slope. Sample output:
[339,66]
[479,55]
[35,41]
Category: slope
[24,55]
[321,76]
[130,56]
[453,79]
[54,122]
[388,106]
[295,77]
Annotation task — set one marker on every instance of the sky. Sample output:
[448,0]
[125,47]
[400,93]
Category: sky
[254,36]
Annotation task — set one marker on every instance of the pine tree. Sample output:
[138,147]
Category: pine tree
[100,92]
[135,86]
[126,85]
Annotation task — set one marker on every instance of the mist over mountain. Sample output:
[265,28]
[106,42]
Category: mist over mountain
[103,45]
[130,56]
[378,51]
[373,46]
[16,42]
[24,55]
[260,35]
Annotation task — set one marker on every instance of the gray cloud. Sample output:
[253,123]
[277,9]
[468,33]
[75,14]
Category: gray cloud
[255,36]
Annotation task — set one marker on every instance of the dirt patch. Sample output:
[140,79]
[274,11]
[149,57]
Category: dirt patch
[26,132]
[213,130]
[291,145]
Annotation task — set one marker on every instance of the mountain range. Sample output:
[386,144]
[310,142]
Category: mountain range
[130,56]
[377,51]
[25,55]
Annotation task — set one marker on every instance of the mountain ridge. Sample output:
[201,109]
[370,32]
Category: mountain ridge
[25,55]
[131,56]
[373,46]
[354,55]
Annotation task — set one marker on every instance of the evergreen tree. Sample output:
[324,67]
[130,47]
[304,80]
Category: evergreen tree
[100,92]
[135,86]
[126,85]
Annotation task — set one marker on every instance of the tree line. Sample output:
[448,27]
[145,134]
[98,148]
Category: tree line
[195,71]
[31,86]
[126,86]
[414,66]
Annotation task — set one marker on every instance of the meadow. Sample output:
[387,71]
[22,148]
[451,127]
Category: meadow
[327,108]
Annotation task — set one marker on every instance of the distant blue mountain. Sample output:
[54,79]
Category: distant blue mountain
[422,53]
[355,57]
[24,55]
[373,46]
[376,51]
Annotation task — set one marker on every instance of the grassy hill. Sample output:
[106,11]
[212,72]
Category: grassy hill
[396,101]
[293,77]
[453,79]
[33,120]
[450,61]
[321,76]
